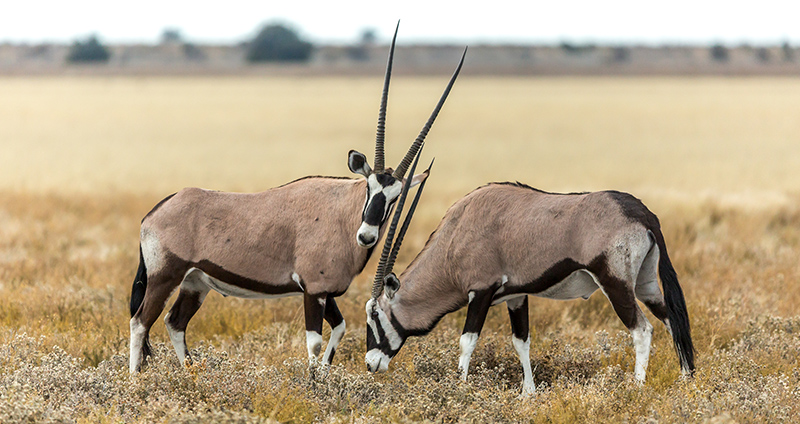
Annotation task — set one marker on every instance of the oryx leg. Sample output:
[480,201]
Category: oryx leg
[647,288]
[520,338]
[479,303]
[314,306]
[622,298]
[336,321]
[159,289]
[192,293]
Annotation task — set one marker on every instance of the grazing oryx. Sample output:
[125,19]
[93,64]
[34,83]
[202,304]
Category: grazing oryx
[309,237]
[504,241]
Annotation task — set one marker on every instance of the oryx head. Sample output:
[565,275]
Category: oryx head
[384,184]
[385,336]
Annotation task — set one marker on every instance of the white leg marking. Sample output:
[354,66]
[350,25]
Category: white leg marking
[137,342]
[313,343]
[641,344]
[467,342]
[471,296]
[523,350]
[178,340]
[336,336]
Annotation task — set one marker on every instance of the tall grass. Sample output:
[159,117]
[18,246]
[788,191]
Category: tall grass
[82,160]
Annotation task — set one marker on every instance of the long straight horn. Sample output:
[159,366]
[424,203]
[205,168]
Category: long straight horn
[377,285]
[400,172]
[407,221]
[379,138]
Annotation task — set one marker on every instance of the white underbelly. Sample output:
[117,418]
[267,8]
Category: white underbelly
[580,283]
[195,276]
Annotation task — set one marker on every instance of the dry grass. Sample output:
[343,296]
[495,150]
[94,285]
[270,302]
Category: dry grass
[82,160]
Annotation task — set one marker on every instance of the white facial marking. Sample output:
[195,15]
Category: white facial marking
[391,333]
[313,343]
[336,336]
[467,342]
[377,361]
[368,232]
[151,251]
[137,342]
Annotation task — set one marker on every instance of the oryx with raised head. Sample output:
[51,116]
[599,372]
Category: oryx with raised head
[504,241]
[309,237]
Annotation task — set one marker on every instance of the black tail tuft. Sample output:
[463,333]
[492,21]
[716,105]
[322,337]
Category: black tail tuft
[139,285]
[676,308]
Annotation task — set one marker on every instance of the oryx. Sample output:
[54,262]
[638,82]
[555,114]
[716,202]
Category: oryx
[309,237]
[504,241]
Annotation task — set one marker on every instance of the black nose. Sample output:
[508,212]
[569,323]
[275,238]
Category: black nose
[364,240]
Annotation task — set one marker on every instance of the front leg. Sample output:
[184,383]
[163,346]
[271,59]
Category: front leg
[336,321]
[479,303]
[521,339]
[314,306]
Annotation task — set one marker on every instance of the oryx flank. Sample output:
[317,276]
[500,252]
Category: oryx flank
[309,237]
[504,241]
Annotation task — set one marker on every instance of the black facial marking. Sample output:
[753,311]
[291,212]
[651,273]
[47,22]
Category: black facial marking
[376,210]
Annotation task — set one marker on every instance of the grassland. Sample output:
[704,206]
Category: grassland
[82,160]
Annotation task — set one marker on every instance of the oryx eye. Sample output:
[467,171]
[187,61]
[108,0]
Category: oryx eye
[375,314]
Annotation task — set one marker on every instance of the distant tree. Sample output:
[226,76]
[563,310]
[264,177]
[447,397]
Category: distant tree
[368,36]
[719,53]
[762,54]
[171,36]
[88,51]
[278,43]
[576,49]
[788,52]
[620,54]
[192,52]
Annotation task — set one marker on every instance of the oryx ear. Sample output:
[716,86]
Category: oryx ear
[419,178]
[390,285]
[357,163]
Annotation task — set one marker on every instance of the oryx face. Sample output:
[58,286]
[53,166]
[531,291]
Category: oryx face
[383,338]
[383,189]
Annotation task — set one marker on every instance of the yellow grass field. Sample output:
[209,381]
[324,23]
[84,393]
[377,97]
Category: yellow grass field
[83,159]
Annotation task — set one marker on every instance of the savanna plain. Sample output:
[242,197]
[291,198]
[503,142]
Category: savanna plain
[83,159]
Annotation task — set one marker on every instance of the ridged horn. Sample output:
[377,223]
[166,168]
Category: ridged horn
[379,138]
[406,222]
[400,172]
[377,285]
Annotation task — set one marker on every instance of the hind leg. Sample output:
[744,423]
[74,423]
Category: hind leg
[190,298]
[518,314]
[159,289]
[623,299]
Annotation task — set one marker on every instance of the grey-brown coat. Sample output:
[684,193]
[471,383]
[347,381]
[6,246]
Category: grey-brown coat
[504,241]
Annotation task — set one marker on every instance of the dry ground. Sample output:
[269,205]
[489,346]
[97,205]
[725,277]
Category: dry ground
[82,160]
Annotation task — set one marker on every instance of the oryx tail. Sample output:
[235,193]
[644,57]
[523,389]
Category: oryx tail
[139,285]
[676,306]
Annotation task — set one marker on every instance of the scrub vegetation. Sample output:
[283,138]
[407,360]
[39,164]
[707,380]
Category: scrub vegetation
[83,160]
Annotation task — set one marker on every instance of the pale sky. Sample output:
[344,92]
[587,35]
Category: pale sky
[476,21]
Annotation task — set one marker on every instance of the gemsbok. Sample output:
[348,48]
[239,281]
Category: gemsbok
[504,241]
[309,237]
